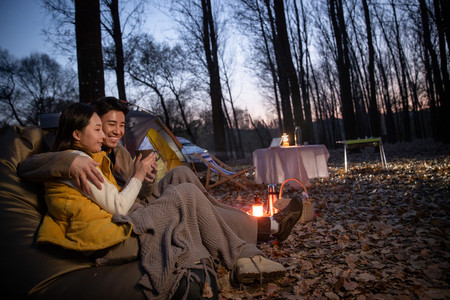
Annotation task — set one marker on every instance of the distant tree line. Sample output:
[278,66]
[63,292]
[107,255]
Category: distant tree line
[380,66]
[338,69]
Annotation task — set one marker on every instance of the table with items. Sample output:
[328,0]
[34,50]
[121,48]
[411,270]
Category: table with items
[276,164]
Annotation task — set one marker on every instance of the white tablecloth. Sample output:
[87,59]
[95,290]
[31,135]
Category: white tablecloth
[276,164]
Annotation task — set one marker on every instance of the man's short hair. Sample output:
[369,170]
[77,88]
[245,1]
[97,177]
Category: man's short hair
[107,104]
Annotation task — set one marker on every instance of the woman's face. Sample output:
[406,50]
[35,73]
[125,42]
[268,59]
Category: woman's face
[91,137]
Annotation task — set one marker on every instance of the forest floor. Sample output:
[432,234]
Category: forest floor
[376,233]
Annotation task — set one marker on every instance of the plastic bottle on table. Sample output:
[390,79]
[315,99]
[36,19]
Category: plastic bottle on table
[298,136]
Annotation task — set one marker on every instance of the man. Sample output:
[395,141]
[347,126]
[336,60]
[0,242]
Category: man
[112,113]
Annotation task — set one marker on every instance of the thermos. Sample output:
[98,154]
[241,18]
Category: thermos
[272,199]
[298,136]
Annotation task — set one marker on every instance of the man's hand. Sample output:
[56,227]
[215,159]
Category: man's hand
[83,169]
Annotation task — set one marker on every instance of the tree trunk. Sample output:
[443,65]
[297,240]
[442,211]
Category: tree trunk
[442,25]
[389,116]
[187,128]
[402,79]
[343,66]
[283,82]
[373,107]
[271,66]
[210,47]
[438,84]
[445,14]
[287,66]
[118,45]
[160,97]
[325,137]
[391,120]
[308,130]
[89,50]
[238,142]
[232,141]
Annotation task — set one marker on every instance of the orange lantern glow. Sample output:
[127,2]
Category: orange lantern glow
[257,210]
[285,140]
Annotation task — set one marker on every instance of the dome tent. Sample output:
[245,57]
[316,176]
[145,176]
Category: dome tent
[145,131]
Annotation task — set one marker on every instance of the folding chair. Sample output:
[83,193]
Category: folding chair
[224,172]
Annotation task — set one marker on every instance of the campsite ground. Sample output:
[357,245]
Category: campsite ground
[377,234]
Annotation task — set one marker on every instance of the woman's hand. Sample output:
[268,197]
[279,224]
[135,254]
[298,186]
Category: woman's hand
[143,166]
[151,173]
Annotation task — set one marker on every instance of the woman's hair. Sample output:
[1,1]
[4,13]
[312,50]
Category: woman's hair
[75,116]
[107,104]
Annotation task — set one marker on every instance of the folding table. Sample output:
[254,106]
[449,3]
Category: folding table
[361,143]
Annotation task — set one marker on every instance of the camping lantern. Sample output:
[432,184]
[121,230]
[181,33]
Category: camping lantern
[257,210]
[271,210]
[285,140]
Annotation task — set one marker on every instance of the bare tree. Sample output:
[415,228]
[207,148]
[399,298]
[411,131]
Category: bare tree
[373,107]
[62,32]
[111,22]
[8,89]
[286,66]
[437,78]
[179,80]
[300,37]
[115,31]
[34,85]
[254,23]
[210,47]
[199,33]
[343,66]
[145,66]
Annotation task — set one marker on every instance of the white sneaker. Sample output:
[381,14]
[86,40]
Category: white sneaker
[258,268]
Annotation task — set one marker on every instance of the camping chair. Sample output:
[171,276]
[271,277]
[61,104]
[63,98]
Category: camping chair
[224,172]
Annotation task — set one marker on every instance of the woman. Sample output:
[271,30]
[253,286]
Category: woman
[179,233]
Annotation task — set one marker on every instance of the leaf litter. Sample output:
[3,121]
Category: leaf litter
[376,234]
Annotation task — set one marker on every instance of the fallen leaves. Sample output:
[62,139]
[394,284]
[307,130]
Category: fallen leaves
[377,234]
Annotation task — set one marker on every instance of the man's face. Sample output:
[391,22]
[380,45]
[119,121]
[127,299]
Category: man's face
[113,123]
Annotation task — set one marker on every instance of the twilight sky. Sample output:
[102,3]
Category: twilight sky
[22,21]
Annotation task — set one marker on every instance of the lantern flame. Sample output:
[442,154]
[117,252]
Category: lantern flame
[285,140]
[257,210]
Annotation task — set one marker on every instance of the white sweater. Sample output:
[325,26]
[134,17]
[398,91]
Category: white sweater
[109,198]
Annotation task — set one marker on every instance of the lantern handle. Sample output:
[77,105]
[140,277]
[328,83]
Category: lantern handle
[294,179]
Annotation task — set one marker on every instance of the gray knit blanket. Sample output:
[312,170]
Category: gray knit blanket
[176,231]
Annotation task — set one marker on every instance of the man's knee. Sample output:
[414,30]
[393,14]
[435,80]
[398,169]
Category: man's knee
[182,174]
[182,170]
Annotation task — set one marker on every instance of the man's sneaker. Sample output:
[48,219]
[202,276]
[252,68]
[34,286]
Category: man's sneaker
[288,217]
[257,268]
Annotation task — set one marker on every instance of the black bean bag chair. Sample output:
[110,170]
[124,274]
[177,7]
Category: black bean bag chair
[47,272]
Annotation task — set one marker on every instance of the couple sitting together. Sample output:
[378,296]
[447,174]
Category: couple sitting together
[102,203]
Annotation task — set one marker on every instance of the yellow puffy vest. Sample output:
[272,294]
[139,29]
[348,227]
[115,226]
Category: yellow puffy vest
[75,222]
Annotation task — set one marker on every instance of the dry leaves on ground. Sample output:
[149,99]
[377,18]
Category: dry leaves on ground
[377,234]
